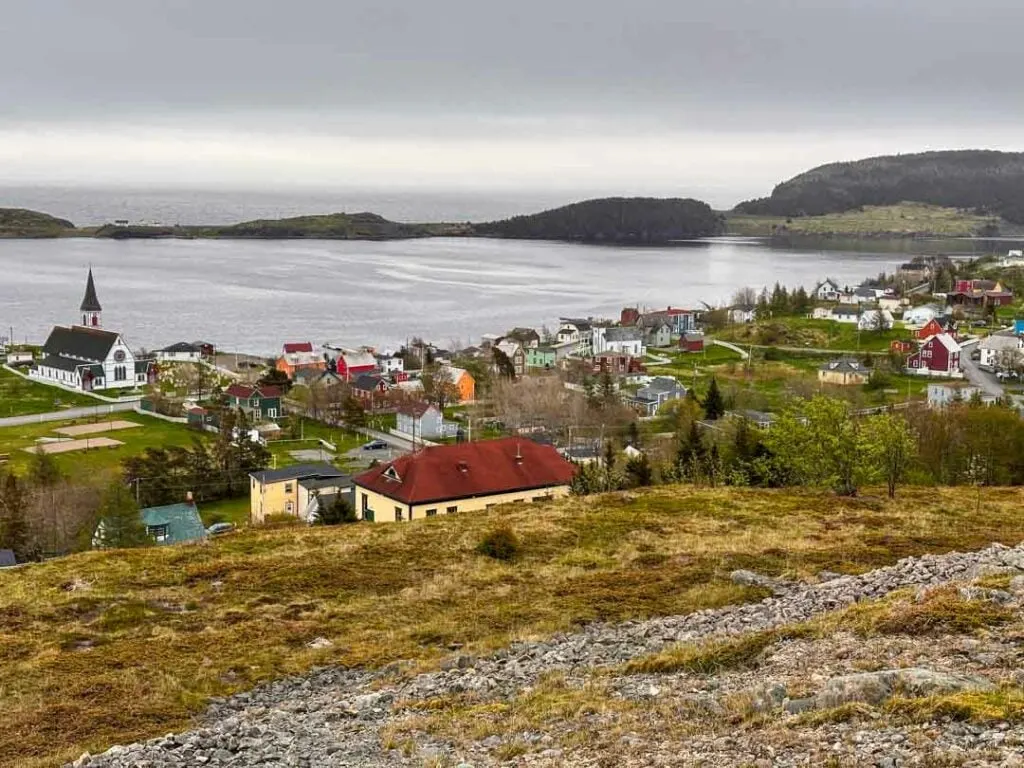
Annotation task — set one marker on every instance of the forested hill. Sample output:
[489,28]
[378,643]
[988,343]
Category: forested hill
[19,222]
[979,180]
[613,220]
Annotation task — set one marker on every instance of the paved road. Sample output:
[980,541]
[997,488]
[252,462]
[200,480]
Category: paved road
[986,382]
[88,412]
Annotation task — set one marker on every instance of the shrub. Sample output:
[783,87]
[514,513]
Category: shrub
[500,544]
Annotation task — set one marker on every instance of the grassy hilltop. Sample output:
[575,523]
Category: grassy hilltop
[108,647]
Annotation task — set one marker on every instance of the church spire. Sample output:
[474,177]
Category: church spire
[90,308]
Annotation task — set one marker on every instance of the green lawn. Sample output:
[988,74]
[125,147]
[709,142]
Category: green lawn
[225,511]
[99,461]
[19,397]
[805,333]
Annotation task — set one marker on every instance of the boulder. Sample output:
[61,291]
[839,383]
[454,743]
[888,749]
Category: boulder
[875,687]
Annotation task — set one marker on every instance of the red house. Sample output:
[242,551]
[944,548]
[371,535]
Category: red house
[300,346]
[612,362]
[350,364]
[691,342]
[939,356]
[901,347]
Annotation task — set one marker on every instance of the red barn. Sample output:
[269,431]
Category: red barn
[939,356]
[350,364]
[691,342]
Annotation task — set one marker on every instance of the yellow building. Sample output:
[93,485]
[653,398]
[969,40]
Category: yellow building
[448,479]
[843,372]
[294,490]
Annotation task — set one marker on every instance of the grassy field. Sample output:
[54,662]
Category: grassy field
[805,333]
[100,461]
[19,397]
[107,647]
[902,220]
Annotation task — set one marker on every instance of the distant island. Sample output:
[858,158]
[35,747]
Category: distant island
[608,220]
[614,220]
[970,192]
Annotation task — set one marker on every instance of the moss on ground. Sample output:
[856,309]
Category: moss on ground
[108,647]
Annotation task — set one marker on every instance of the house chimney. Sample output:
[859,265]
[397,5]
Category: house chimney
[188,499]
[519,454]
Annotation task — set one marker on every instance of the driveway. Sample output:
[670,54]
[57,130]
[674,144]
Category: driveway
[987,382]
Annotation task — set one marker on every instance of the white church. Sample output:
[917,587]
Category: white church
[86,357]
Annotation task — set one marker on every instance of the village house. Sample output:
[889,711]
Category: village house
[298,357]
[88,358]
[658,391]
[617,364]
[742,313]
[468,477]
[843,372]
[999,349]
[890,303]
[760,419]
[935,326]
[827,290]
[390,364]
[1014,258]
[349,364]
[541,357]
[623,341]
[845,314]
[293,490]
[255,401]
[945,395]
[465,384]
[979,293]
[513,350]
[656,333]
[901,347]
[821,313]
[692,341]
[875,320]
[919,316]
[420,420]
[577,331]
[371,389]
[914,272]
[939,356]
[181,352]
[165,525]
[527,337]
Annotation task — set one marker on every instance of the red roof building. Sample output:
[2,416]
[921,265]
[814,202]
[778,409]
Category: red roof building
[299,346]
[448,479]
[939,356]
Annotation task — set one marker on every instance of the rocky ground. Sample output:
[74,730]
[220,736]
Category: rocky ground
[918,664]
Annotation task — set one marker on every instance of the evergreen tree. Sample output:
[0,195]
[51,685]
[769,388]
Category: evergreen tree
[639,471]
[43,470]
[337,512]
[714,403]
[634,434]
[14,532]
[609,465]
[607,389]
[120,525]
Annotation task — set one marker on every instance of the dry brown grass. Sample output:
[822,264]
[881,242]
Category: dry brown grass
[159,631]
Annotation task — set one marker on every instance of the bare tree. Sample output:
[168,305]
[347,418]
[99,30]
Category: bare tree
[745,296]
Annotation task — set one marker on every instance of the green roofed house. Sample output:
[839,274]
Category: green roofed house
[173,523]
[540,357]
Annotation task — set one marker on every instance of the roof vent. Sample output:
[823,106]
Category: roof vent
[519,454]
[392,474]
[463,467]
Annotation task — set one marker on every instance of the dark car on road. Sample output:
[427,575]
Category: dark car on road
[375,445]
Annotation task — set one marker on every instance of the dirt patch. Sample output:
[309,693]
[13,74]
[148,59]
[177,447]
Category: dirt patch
[92,429]
[67,446]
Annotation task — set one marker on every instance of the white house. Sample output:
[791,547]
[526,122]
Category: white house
[1012,259]
[875,320]
[623,341]
[890,303]
[845,314]
[920,316]
[88,358]
[390,364]
[996,348]
[420,420]
[742,313]
[944,395]
[827,290]
[578,331]
[821,313]
[182,352]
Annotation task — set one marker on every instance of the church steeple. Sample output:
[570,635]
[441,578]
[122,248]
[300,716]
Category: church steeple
[91,309]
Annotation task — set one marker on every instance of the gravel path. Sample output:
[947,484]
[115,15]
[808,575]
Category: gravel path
[341,718]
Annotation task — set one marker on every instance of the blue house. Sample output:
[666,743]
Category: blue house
[1018,327]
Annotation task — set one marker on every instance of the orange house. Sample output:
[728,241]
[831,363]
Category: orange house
[465,383]
[299,357]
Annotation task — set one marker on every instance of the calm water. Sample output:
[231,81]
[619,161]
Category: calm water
[252,296]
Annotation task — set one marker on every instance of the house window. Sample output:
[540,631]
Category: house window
[289,508]
[398,514]
[158,532]
[431,513]
[271,413]
[451,510]
[287,487]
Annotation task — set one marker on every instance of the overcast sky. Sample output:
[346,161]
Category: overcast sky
[717,99]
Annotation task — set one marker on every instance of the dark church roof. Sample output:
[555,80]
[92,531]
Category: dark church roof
[90,303]
[80,342]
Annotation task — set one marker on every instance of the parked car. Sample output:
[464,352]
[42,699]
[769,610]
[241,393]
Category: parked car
[976,355]
[217,529]
[375,445]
